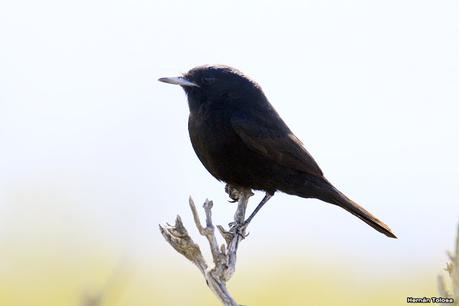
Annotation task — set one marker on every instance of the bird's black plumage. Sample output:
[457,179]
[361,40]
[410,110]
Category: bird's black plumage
[241,140]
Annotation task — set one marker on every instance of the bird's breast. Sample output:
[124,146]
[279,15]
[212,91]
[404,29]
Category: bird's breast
[214,141]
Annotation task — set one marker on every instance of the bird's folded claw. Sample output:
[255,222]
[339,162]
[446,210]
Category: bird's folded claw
[233,193]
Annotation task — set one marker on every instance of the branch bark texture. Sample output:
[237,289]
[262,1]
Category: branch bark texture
[224,256]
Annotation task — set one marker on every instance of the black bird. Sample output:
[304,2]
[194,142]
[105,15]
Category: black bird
[241,140]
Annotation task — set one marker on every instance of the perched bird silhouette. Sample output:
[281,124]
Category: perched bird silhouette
[241,140]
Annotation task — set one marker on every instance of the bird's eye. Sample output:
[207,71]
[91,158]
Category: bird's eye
[208,80]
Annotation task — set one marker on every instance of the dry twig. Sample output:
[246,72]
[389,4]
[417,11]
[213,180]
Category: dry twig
[224,256]
[452,268]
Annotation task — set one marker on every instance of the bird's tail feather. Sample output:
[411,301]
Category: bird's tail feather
[341,200]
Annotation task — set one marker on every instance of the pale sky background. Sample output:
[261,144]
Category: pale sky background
[95,151]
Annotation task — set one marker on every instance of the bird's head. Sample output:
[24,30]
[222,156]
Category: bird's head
[216,86]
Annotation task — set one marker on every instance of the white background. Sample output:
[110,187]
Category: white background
[93,148]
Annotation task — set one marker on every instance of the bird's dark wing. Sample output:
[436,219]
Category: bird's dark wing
[270,137]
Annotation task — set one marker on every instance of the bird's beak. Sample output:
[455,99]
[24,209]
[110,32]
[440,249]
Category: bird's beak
[178,81]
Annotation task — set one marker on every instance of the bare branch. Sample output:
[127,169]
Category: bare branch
[178,238]
[238,234]
[452,268]
[441,287]
[224,256]
[454,274]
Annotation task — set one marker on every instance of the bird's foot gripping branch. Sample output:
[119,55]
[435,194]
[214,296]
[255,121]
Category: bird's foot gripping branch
[224,256]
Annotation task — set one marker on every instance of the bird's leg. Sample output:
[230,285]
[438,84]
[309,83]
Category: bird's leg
[240,228]
[268,196]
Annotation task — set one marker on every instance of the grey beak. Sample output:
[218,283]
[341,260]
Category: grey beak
[178,81]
